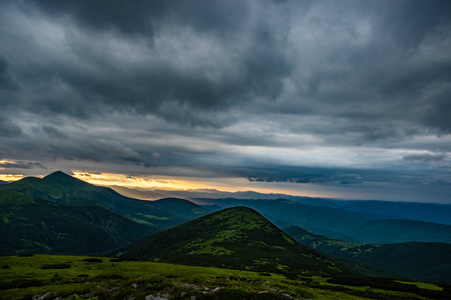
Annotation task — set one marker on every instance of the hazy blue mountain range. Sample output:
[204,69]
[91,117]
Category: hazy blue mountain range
[215,194]
[32,225]
[238,238]
[339,223]
[393,231]
[61,188]
[371,209]
[428,212]
[414,260]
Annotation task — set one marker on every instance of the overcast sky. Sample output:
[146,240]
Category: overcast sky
[346,99]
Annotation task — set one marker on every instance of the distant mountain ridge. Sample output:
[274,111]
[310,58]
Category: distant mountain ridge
[61,188]
[373,209]
[32,225]
[237,238]
[215,194]
[414,260]
[341,224]
[396,231]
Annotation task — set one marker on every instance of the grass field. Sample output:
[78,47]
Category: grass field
[108,278]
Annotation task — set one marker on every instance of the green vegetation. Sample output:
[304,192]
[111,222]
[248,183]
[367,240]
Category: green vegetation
[421,261]
[423,285]
[63,215]
[110,279]
[61,188]
[237,238]
[32,225]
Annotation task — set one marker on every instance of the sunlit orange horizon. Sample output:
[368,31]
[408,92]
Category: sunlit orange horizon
[8,177]
[177,183]
[173,183]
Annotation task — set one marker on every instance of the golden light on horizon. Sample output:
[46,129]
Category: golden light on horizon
[156,182]
[178,183]
[145,182]
[10,177]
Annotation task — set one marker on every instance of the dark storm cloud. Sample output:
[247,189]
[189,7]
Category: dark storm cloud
[226,87]
[424,157]
[8,128]
[307,175]
[381,63]
[92,149]
[53,132]
[370,63]
[342,176]
[21,165]
[6,81]
[142,16]
[438,116]
[102,81]
[411,21]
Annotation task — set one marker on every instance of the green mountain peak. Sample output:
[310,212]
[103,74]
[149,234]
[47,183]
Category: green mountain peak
[58,174]
[62,188]
[64,179]
[236,238]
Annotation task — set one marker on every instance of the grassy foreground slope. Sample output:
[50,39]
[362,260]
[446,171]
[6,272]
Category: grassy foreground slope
[106,278]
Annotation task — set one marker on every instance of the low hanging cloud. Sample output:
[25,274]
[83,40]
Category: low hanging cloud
[116,149]
[21,165]
[425,157]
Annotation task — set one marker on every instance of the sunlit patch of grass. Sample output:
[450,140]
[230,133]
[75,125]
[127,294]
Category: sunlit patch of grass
[423,285]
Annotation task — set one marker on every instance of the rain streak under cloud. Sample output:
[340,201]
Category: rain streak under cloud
[345,99]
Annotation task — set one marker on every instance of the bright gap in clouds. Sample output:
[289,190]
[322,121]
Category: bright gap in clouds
[10,177]
[179,183]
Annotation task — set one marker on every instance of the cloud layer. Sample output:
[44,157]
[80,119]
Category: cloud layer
[318,92]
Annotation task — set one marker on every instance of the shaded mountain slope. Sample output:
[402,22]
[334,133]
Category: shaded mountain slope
[238,238]
[30,224]
[179,208]
[61,188]
[415,260]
